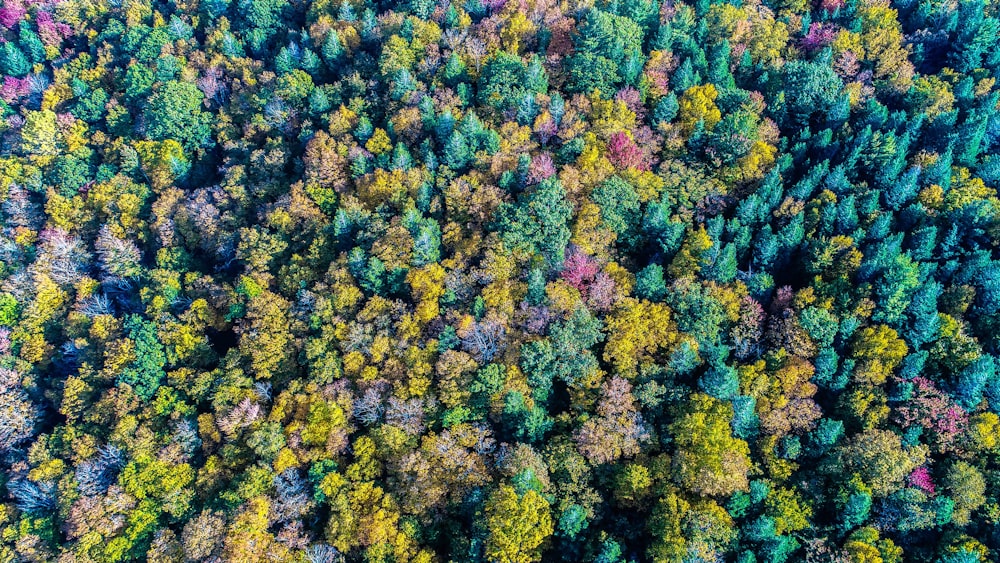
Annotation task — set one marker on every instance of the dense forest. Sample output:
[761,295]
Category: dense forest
[500,281]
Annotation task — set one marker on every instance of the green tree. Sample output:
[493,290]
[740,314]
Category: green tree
[606,44]
[538,223]
[145,373]
[502,82]
[13,62]
[816,89]
[175,112]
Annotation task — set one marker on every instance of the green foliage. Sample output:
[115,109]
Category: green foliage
[145,372]
[503,81]
[174,112]
[9,310]
[13,62]
[423,282]
[537,223]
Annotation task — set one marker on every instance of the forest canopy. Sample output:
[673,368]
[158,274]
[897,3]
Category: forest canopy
[499,281]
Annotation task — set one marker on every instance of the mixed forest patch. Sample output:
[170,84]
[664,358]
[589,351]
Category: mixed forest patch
[505,281]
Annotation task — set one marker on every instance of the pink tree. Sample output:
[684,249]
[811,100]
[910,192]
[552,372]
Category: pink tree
[820,35]
[920,478]
[624,153]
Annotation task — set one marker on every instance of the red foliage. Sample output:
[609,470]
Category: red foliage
[633,100]
[546,129]
[11,13]
[541,168]
[601,292]
[51,32]
[619,428]
[935,412]
[579,269]
[921,479]
[583,272]
[819,36]
[623,152]
[831,5]
[13,88]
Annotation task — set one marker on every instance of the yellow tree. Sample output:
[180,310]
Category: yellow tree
[709,460]
[518,525]
[878,351]
[698,104]
[637,330]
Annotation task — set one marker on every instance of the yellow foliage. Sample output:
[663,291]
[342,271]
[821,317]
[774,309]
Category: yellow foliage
[389,186]
[878,350]
[610,116]
[867,405]
[984,428]
[624,279]
[637,330]
[648,185]
[966,189]
[687,261]
[594,168]
[55,95]
[563,298]
[518,27]
[767,39]
[158,159]
[379,142]
[932,95]
[697,103]
[589,232]
[790,513]
[518,526]
[365,466]
[848,41]
[756,163]
[65,212]
[864,546]
[49,470]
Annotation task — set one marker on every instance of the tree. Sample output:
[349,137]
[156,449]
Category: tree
[517,525]
[650,283]
[618,429]
[878,458]
[967,487]
[637,331]
[620,208]
[17,413]
[502,82]
[816,89]
[604,43]
[683,529]
[145,373]
[709,461]
[697,105]
[40,134]
[878,350]
[456,152]
[332,50]
[591,73]
[174,112]
[119,259]
[13,62]
[538,222]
